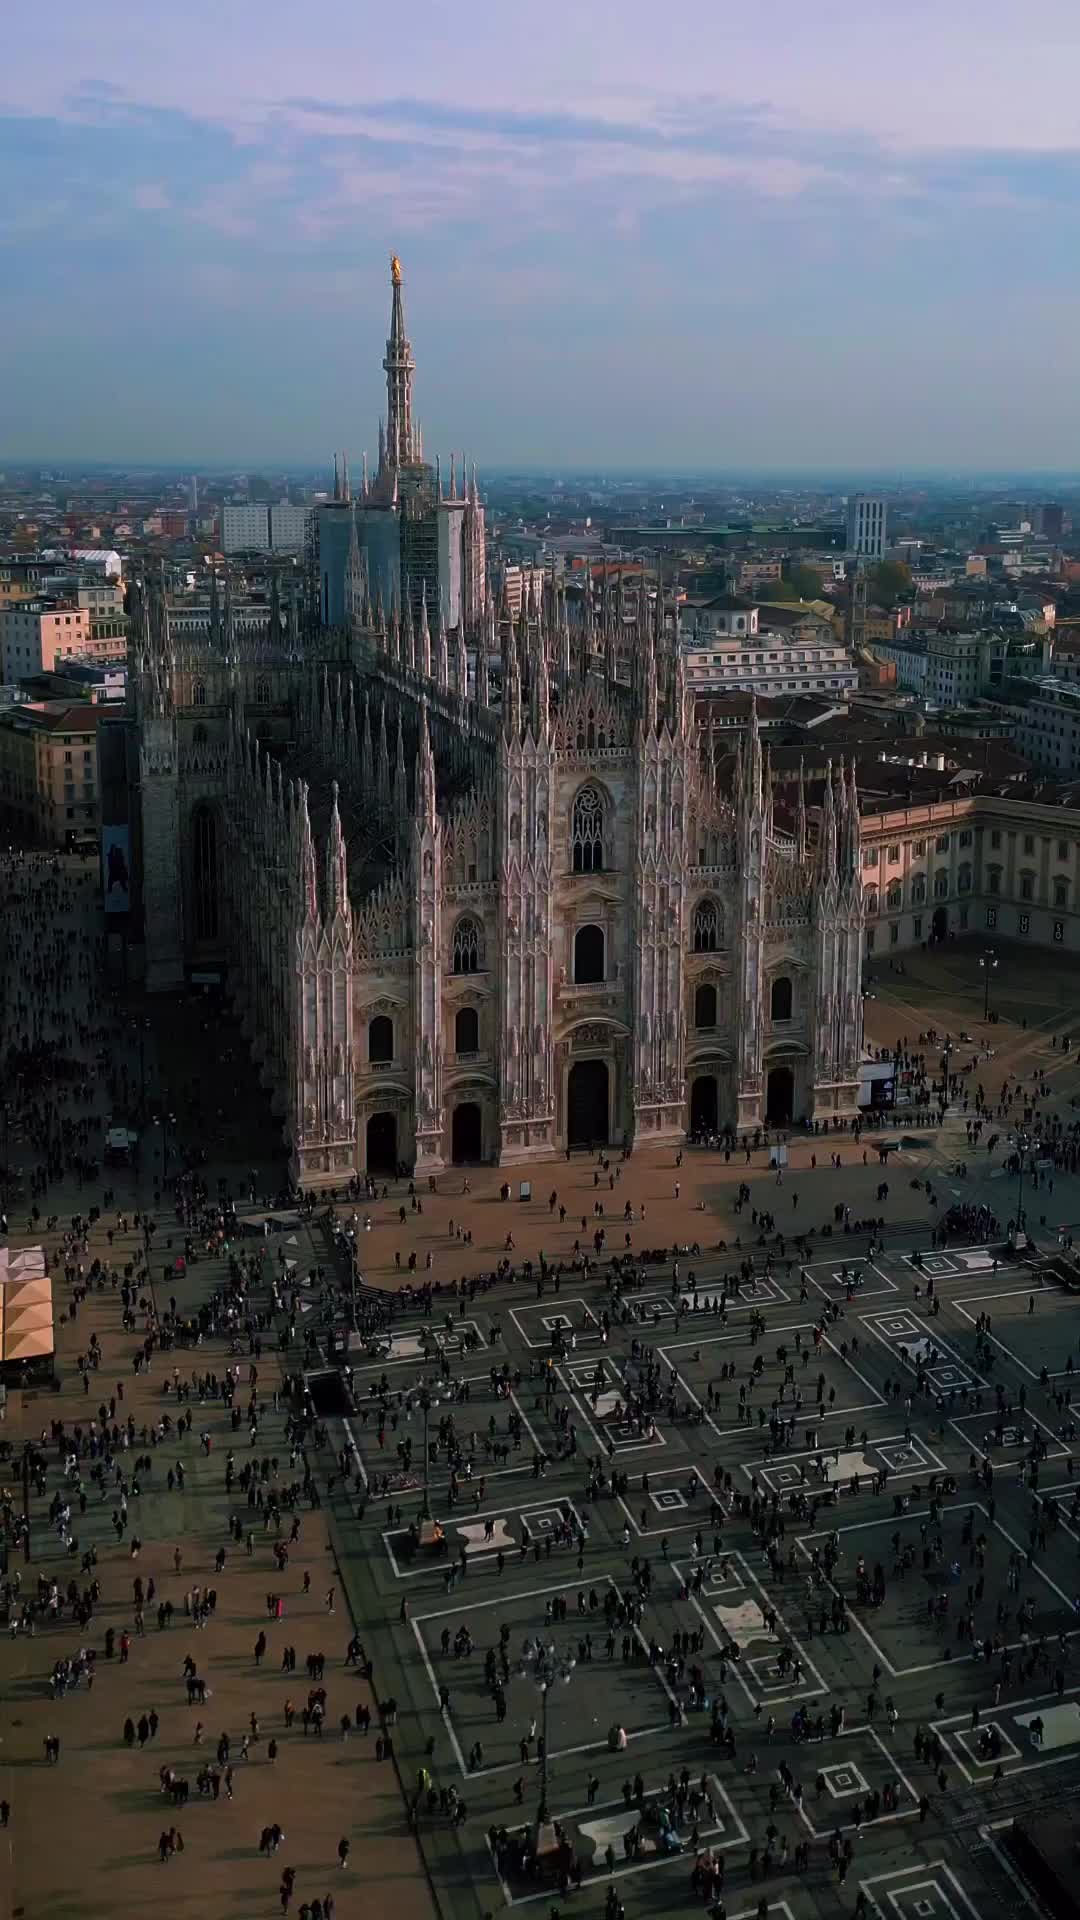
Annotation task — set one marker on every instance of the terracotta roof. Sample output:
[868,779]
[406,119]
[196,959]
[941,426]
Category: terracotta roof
[57,716]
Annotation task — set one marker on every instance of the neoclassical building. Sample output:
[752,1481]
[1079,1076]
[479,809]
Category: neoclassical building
[478,896]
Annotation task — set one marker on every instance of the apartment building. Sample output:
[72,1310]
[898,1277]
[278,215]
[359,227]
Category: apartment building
[281,528]
[1044,723]
[733,646]
[1005,864]
[35,633]
[48,771]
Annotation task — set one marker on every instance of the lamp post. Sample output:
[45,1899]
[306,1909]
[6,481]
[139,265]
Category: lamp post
[987,961]
[427,1401]
[1024,1144]
[166,1121]
[945,1070]
[546,1668]
[26,1501]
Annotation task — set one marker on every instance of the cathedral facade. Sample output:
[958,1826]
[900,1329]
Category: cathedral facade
[477,895]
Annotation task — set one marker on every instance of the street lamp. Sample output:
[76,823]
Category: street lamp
[1024,1144]
[546,1668]
[987,961]
[945,1069]
[427,1401]
[165,1121]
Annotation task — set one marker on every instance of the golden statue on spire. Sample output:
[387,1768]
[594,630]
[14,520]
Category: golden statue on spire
[395,270]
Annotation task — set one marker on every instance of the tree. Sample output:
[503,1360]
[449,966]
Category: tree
[889,579]
[805,581]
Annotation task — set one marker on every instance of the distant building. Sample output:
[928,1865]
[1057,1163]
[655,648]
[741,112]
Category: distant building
[883,623]
[288,527]
[761,571]
[1049,520]
[48,771]
[908,658]
[1045,723]
[35,633]
[727,649]
[104,602]
[875,675]
[959,666]
[866,526]
[98,560]
[16,582]
[245,529]
[951,667]
[79,680]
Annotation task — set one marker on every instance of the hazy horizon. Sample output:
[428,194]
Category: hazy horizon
[805,242]
[833,479]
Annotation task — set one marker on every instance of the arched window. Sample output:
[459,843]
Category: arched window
[918,890]
[198,735]
[705,1006]
[941,886]
[467,1030]
[963,878]
[587,832]
[871,900]
[781,999]
[380,1040]
[468,946]
[199,695]
[894,898]
[204,872]
[588,955]
[262,693]
[706,927]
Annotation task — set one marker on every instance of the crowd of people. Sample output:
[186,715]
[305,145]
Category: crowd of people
[139,1421]
[200,1382]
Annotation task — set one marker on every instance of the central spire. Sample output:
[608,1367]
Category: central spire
[401,447]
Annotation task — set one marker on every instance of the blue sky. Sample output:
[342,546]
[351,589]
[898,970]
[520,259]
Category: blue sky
[821,235]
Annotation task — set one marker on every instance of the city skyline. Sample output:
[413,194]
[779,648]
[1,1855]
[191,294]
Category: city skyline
[731,251]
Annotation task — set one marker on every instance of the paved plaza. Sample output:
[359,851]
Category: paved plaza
[795,1546]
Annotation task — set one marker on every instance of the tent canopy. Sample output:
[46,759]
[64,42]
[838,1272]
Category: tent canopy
[26,1307]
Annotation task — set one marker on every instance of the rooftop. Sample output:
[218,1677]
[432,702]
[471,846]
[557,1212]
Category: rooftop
[53,716]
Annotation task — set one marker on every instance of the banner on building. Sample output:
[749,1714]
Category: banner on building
[116,868]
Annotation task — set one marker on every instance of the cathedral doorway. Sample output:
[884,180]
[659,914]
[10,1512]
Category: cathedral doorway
[382,1153]
[467,1134]
[939,926]
[704,1106]
[780,1097]
[587,1104]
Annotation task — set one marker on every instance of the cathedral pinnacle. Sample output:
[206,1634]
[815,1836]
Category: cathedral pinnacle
[425,775]
[401,444]
[337,863]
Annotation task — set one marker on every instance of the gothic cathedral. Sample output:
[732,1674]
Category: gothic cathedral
[478,895]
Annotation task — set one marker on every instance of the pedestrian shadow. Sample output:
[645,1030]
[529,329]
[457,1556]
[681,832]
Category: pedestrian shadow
[29,1687]
[75,1907]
